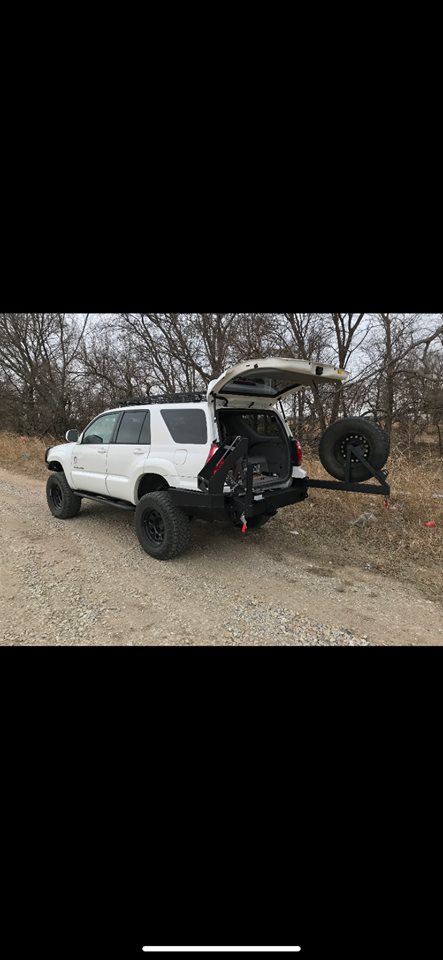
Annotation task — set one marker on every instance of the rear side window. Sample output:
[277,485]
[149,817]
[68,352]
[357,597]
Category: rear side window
[145,436]
[132,426]
[186,426]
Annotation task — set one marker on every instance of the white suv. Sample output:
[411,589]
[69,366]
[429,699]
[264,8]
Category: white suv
[228,452]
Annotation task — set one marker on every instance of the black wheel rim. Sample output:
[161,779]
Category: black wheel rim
[56,497]
[154,527]
[353,440]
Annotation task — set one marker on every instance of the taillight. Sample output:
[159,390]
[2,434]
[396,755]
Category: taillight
[213,450]
[297,454]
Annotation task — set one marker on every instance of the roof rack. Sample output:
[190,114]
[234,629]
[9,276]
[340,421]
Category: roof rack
[164,398]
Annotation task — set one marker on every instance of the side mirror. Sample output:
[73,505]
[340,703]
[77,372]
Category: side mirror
[72,436]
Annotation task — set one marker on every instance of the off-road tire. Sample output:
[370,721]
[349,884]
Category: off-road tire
[62,501]
[334,442]
[163,530]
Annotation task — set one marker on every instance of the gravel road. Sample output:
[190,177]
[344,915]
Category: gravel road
[87,581]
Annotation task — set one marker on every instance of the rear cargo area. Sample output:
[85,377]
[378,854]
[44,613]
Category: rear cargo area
[269,449]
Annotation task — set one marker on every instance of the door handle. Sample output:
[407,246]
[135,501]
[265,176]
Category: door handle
[138,451]
[102,451]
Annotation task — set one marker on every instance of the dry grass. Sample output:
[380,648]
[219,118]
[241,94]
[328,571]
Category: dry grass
[24,454]
[398,544]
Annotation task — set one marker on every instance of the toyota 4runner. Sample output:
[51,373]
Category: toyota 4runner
[228,452]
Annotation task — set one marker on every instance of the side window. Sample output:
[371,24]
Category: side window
[145,436]
[101,430]
[131,426]
[186,426]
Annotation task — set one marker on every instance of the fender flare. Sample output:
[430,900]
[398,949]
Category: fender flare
[161,468]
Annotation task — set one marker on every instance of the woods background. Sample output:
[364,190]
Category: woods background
[59,370]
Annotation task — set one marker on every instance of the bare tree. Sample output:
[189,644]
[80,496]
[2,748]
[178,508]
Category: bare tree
[38,357]
[187,350]
[58,370]
[303,335]
[345,327]
[401,358]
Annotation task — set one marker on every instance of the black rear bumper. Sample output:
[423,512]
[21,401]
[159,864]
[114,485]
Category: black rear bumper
[217,506]
[211,502]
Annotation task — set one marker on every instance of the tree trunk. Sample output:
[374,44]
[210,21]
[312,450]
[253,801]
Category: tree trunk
[390,375]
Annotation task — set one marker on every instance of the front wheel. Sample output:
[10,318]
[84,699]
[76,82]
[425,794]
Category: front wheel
[62,501]
[353,431]
[162,529]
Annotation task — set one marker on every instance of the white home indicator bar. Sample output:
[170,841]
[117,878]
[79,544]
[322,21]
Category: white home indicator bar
[222,949]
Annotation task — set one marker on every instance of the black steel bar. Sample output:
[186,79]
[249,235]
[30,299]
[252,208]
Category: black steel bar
[379,474]
[249,483]
[211,478]
[372,488]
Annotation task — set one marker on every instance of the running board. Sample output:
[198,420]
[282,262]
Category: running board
[121,504]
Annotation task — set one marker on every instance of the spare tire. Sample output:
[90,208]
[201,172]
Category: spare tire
[358,432]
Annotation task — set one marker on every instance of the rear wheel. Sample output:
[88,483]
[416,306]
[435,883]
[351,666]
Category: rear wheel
[162,529]
[353,431]
[62,501]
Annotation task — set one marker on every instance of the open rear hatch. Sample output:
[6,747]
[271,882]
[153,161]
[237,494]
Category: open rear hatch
[244,398]
[262,383]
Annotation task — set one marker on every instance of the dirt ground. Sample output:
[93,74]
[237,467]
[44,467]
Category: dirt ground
[86,581]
